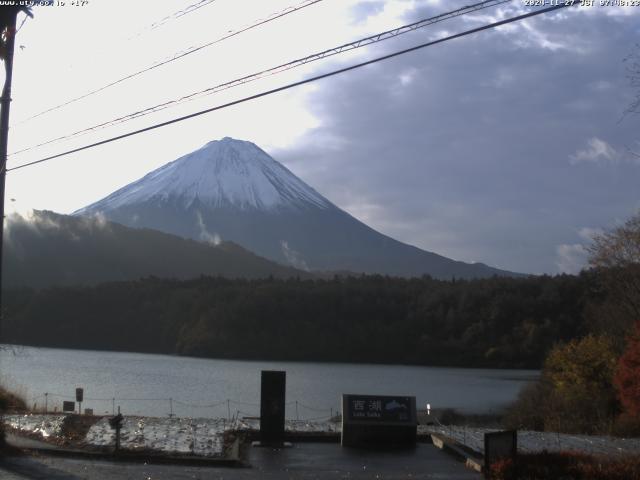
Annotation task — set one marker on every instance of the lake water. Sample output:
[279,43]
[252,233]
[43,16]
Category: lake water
[156,385]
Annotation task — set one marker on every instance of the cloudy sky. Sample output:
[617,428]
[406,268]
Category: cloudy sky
[508,147]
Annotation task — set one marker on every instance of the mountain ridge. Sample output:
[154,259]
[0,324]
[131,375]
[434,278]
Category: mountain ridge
[54,249]
[233,190]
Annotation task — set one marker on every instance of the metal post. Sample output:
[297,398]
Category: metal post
[46,402]
[171,408]
[5,103]
[229,409]
[297,416]
[113,406]
[118,427]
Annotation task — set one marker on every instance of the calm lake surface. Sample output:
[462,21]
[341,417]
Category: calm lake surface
[155,385]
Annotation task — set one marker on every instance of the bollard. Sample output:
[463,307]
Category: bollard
[79,399]
[116,424]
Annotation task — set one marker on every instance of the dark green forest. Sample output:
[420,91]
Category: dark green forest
[50,249]
[497,322]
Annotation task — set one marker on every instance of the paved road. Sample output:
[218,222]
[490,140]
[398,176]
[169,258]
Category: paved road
[303,461]
[20,441]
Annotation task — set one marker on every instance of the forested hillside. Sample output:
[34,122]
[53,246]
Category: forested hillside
[498,322]
[49,249]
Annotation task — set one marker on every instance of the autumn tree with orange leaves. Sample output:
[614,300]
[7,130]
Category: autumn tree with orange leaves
[627,376]
[616,254]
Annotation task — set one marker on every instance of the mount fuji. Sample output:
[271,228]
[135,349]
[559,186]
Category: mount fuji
[232,190]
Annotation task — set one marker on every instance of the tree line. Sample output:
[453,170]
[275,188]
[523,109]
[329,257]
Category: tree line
[583,331]
[497,322]
[591,384]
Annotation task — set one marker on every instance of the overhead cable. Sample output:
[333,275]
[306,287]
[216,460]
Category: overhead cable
[189,51]
[569,3]
[181,13]
[274,70]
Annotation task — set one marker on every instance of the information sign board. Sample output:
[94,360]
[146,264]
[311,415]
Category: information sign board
[378,419]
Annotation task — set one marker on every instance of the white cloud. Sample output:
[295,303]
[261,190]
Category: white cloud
[587,233]
[596,151]
[503,78]
[407,76]
[571,258]
[542,39]
[403,80]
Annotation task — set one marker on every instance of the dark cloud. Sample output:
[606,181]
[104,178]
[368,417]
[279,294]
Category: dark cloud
[471,148]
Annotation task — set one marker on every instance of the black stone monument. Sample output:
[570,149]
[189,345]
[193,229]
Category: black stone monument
[272,400]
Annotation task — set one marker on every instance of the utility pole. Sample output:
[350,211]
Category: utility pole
[9,16]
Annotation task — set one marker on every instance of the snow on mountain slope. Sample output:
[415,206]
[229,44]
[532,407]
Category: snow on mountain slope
[232,190]
[222,173]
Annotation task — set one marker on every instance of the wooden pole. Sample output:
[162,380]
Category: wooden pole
[5,102]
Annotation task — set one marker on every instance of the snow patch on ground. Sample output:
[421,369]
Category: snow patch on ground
[204,436]
[291,426]
[181,436]
[196,436]
[529,442]
[43,425]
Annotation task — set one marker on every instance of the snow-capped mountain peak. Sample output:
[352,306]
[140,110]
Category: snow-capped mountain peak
[224,172]
[232,190]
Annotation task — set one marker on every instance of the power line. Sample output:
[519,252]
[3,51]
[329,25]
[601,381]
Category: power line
[189,51]
[293,64]
[277,69]
[181,13]
[302,82]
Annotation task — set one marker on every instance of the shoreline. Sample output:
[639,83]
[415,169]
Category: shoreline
[443,366]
